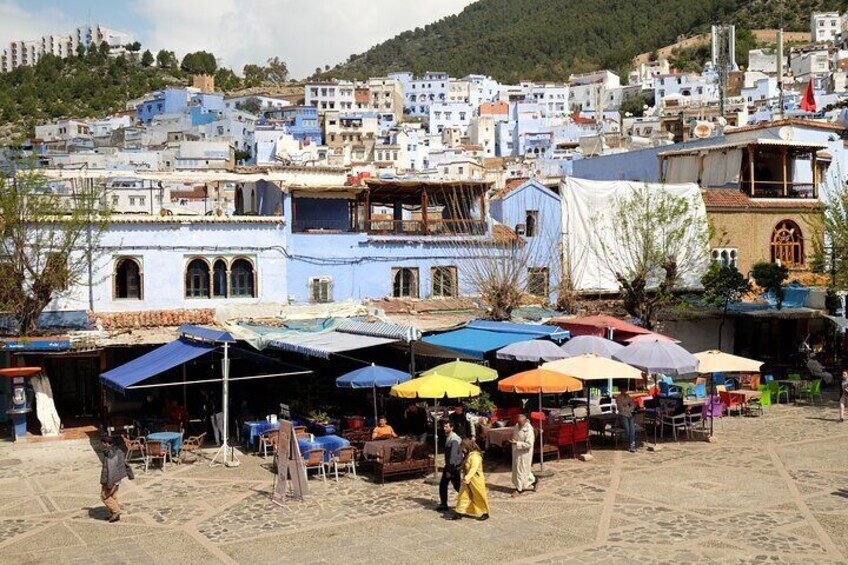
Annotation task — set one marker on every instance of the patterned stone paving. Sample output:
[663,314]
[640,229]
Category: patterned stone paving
[770,489]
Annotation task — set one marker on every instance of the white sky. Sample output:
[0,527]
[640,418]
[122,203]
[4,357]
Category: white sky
[304,33]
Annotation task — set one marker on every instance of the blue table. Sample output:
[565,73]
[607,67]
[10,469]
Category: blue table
[255,428]
[330,444]
[175,439]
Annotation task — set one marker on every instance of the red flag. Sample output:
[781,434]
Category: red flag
[808,102]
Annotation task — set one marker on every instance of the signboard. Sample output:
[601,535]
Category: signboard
[36,344]
[290,467]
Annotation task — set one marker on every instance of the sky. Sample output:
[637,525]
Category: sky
[304,33]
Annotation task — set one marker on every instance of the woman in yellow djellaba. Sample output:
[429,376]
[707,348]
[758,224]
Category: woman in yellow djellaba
[473,500]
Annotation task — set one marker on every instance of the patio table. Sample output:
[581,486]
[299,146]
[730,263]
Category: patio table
[497,436]
[175,439]
[254,428]
[795,384]
[329,443]
[747,396]
[379,447]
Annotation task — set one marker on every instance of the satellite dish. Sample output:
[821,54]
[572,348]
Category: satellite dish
[702,130]
[785,133]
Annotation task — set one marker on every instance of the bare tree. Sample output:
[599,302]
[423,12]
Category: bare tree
[650,241]
[47,245]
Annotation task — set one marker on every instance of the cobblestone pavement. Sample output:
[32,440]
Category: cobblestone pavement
[770,489]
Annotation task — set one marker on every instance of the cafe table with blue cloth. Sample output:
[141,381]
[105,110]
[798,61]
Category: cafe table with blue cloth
[254,428]
[329,443]
[173,438]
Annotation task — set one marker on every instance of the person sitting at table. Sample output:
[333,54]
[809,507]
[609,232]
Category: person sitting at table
[383,430]
[177,414]
[459,421]
[416,423]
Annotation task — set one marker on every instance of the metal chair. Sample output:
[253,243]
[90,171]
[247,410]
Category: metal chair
[135,446]
[314,459]
[192,444]
[157,450]
[345,457]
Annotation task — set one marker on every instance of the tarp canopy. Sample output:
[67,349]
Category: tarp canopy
[537,330]
[158,361]
[594,246]
[475,342]
[325,344]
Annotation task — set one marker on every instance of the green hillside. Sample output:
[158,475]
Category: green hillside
[548,39]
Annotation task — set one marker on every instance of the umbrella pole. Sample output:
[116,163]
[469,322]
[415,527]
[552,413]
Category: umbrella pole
[541,436]
[434,480]
[374,390]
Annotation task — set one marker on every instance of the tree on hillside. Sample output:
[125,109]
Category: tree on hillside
[251,105]
[199,63]
[770,277]
[166,59]
[226,80]
[147,58]
[634,105]
[276,72]
[47,245]
[254,75]
[133,47]
[654,240]
[723,285]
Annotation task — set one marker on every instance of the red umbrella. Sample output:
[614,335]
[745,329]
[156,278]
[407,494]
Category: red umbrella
[808,102]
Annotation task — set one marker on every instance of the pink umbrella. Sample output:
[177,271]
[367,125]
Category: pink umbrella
[651,337]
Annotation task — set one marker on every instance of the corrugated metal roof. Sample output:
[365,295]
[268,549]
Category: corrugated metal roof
[735,145]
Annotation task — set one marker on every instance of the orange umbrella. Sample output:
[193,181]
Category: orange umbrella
[540,381]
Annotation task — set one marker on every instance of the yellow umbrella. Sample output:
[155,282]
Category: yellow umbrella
[435,387]
[464,371]
[714,361]
[592,367]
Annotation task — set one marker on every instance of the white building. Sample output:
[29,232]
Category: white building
[825,27]
[762,61]
[420,93]
[450,115]
[265,103]
[586,89]
[63,130]
[687,86]
[21,53]
[805,62]
[645,73]
[759,90]
[331,96]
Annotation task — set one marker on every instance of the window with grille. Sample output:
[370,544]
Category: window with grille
[320,290]
[787,244]
[405,282]
[242,282]
[537,281]
[726,256]
[197,279]
[127,278]
[444,282]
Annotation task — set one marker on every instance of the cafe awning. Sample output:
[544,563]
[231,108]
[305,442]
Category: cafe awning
[326,343]
[158,361]
[474,342]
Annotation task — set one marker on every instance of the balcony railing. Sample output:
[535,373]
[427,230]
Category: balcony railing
[777,189]
[431,227]
[323,226]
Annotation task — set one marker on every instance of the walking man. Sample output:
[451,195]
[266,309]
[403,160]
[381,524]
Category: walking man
[523,439]
[451,471]
[115,469]
[626,406]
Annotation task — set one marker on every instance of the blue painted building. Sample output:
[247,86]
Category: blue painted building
[202,106]
[300,121]
[403,239]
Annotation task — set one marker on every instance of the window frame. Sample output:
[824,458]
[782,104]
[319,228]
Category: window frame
[778,249]
[535,271]
[531,223]
[202,261]
[397,287]
[453,281]
[250,278]
[119,261]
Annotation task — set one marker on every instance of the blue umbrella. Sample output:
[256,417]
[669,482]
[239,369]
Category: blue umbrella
[593,344]
[372,377]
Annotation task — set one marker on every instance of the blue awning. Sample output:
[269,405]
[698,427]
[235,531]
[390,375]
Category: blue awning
[476,342]
[206,334]
[528,330]
[154,363]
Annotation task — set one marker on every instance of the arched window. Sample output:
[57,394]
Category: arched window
[241,279]
[197,279]
[219,279]
[127,278]
[787,244]
[405,283]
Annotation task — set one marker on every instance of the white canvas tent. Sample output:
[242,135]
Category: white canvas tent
[587,218]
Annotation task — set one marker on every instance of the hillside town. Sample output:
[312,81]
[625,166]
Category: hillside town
[656,260]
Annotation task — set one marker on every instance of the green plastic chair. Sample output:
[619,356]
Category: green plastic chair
[814,390]
[757,404]
[793,377]
[775,390]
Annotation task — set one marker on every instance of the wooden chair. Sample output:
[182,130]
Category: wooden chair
[344,457]
[135,446]
[314,459]
[267,440]
[301,431]
[157,450]
[192,444]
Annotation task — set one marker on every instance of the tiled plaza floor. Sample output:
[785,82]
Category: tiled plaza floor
[771,489]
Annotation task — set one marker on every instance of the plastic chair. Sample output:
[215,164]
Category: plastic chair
[267,440]
[157,450]
[667,389]
[713,408]
[775,390]
[731,401]
[757,404]
[698,391]
[135,446]
[813,390]
[769,378]
[793,377]
[192,444]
